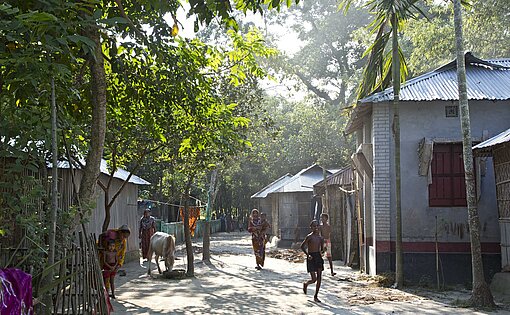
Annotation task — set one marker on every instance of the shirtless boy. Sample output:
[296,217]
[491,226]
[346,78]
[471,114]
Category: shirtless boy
[110,266]
[325,231]
[312,246]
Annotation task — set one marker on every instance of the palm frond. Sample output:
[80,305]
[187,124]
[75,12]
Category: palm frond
[375,71]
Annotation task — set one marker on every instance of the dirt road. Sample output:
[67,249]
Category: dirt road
[231,285]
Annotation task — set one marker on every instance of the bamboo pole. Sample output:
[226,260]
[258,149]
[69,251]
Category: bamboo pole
[437,259]
[360,228]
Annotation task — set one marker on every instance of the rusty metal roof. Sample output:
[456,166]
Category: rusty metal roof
[485,148]
[486,80]
[342,177]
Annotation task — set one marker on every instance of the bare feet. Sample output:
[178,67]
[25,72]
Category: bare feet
[305,286]
[316,299]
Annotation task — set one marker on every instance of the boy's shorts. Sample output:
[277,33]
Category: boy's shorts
[316,263]
[108,273]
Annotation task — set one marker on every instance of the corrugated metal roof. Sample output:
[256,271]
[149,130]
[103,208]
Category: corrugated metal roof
[119,174]
[486,80]
[302,181]
[342,177]
[269,188]
[486,146]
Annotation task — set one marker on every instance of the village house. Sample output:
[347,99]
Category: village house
[290,204]
[123,211]
[434,213]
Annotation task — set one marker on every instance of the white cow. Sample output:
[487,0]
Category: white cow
[162,244]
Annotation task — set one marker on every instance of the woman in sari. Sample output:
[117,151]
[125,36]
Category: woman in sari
[257,238]
[147,229]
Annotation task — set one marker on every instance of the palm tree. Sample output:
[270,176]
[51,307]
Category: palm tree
[481,294]
[390,15]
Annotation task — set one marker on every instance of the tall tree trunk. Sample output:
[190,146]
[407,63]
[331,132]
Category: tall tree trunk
[211,195]
[187,232]
[54,178]
[91,172]
[481,294]
[47,300]
[399,264]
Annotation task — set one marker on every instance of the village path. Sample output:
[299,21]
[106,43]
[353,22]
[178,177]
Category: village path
[231,285]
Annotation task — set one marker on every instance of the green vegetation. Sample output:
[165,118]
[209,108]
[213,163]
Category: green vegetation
[172,110]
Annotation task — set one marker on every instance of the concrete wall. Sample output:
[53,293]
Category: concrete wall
[177,229]
[428,120]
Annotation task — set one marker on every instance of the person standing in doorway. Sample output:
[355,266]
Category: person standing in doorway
[145,232]
[313,246]
[325,231]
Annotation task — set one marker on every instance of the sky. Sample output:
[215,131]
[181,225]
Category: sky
[288,43]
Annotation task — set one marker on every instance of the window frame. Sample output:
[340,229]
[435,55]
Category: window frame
[448,187]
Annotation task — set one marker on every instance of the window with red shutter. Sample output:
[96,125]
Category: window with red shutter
[448,188]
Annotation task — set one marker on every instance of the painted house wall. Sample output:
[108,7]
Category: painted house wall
[419,120]
[415,124]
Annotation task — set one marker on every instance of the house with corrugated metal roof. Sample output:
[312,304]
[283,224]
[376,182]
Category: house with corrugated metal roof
[123,211]
[290,204]
[434,213]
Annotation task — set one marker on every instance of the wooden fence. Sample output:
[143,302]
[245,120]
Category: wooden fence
[80,288]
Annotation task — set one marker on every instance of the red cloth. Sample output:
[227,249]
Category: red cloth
[107,273]
[146,240]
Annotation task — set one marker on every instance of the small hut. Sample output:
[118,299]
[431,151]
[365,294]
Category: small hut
[338,199]
[499,148]
[292,204]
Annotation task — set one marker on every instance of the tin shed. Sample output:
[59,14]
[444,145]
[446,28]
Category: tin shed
[292,203]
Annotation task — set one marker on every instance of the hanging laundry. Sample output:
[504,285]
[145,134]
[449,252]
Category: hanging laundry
[194,216]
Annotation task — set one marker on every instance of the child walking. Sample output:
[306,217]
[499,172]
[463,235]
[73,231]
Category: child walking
[110,265]
[325,231]
[313,246]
